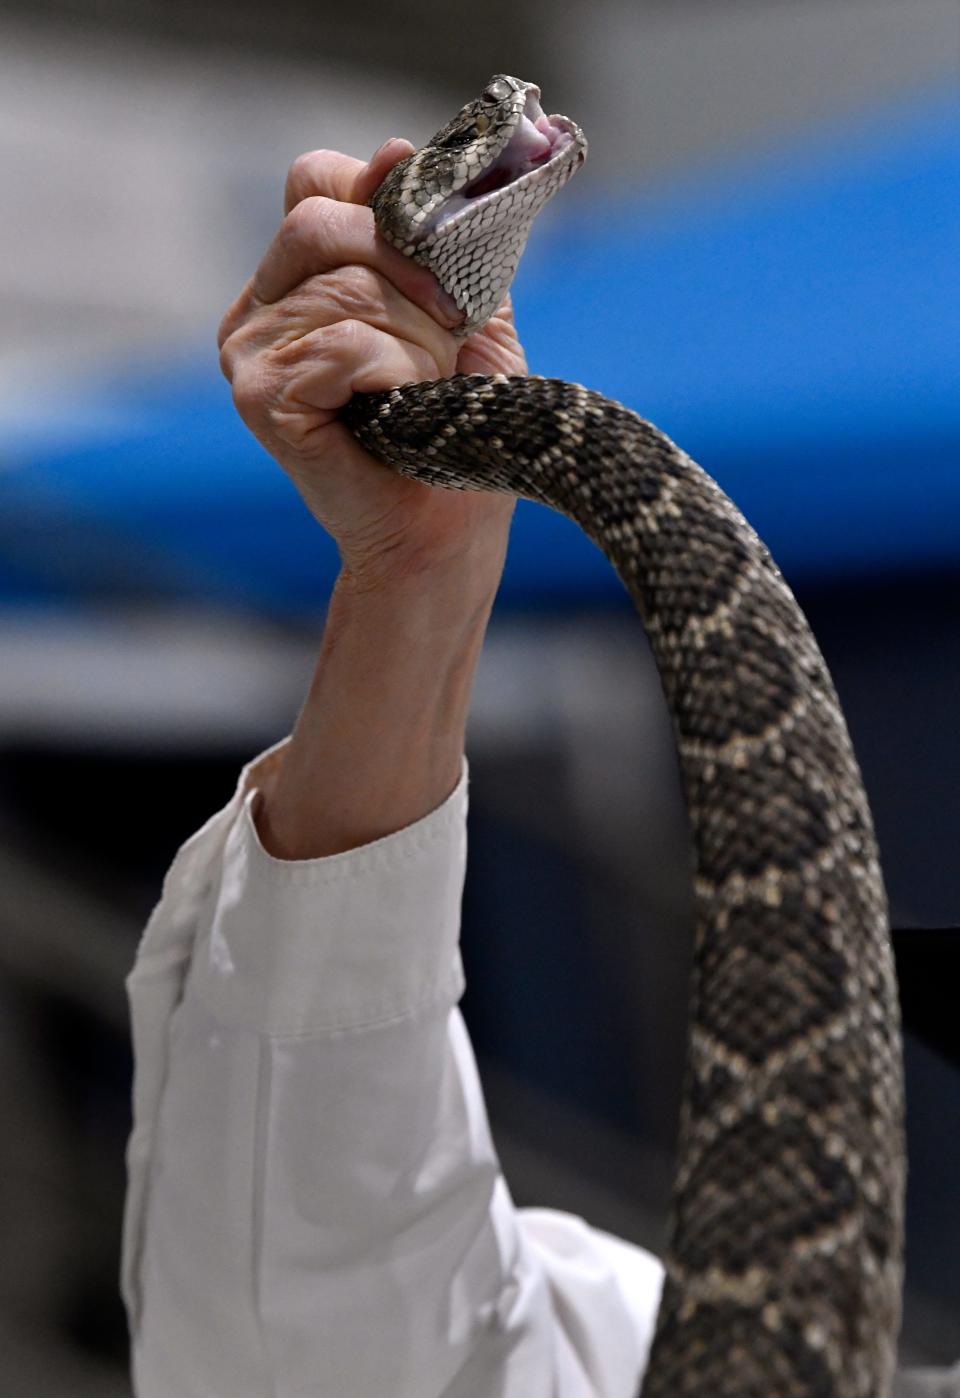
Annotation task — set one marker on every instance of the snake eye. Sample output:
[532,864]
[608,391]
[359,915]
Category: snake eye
[481,122]
[462,137]
[497,91]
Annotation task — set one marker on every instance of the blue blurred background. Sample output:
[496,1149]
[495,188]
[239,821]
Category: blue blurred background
[760,256]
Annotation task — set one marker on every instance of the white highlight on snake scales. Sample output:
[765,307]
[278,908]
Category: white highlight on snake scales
[785,1262]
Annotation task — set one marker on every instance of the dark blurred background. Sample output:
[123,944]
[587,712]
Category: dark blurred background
[761,256]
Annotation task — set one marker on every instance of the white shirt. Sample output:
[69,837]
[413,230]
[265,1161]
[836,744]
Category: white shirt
[314,1207]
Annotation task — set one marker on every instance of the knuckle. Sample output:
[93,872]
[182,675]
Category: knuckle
[307,219]
[232,317]
[237,340]
[358,289]
[250,390]
[300,173]
[346,339]
[304,169]
[304,176]
[227,357]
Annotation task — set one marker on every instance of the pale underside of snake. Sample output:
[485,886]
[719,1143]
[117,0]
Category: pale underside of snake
[785,1261]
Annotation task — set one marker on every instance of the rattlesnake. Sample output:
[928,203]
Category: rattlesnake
[784,1266]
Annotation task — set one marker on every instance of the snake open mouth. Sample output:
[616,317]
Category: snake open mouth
[537,139]
[538,142]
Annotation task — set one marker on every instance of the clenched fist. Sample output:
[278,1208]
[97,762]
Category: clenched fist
[332,310]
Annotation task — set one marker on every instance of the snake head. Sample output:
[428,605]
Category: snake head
[463,204]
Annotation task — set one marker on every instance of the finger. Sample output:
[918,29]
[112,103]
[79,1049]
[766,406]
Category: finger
[343,177]
[349,293]
[506,311]
[320,234]
[393,150]
[335,363]
[326,172]
[353,357]
[495,348]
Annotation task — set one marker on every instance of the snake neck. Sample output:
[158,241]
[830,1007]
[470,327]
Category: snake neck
[787,1229]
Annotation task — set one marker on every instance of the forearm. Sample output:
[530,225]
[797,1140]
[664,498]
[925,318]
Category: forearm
[379,740]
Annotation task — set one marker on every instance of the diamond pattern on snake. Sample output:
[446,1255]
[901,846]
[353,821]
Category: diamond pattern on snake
[784,1268]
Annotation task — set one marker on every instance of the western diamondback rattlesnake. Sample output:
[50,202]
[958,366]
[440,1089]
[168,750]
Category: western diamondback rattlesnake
[784,1269]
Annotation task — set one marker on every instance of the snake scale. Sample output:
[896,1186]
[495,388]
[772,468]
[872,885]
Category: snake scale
[783,1272]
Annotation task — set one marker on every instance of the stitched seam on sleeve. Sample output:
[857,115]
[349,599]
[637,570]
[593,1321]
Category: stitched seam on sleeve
[389,852]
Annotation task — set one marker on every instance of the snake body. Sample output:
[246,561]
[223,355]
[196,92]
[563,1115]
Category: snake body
[785,1259]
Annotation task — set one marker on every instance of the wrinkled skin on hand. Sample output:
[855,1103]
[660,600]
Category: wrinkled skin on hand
[333,310]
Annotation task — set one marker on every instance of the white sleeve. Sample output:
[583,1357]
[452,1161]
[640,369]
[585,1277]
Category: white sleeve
[314,1202]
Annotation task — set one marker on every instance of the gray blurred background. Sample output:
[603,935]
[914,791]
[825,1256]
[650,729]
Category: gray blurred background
[142,153]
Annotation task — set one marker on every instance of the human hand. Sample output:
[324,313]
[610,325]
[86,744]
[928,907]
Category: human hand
[333,310]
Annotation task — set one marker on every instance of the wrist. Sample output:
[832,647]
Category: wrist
[453,555]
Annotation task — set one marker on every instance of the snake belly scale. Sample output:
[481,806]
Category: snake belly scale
[785,1260]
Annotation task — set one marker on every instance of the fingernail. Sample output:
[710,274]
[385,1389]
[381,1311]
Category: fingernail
[390,141]
[448,306]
